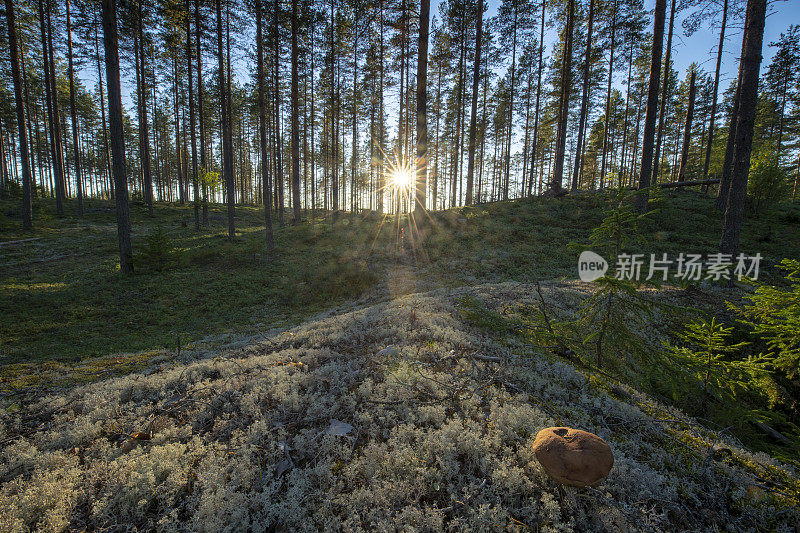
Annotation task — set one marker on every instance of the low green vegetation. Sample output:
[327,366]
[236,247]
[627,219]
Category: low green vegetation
[724,355]
[64,298]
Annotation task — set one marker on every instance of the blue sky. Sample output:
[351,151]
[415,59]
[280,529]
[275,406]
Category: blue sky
[700,47]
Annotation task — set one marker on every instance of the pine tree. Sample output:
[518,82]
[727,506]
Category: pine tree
[745,118]
[109,10]
[27,218]
[652,103]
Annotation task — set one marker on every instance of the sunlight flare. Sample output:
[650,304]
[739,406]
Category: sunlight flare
[402,178]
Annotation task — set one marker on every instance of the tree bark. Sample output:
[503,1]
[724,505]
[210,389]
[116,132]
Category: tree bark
[664,87]
[200,113]
[687,129]
[266,186]
[19,103]
[745,120]
[422,110]
[473,117]
[607,121]
[74,116]
[538,98]
[713,117]
[52,116]
[227,141]
[106,149]
[510,132]
[646,169]
[566,82]
[144,132]
[278,171]
[192,120]
[295,119]
[584,101]
[727,161]
[109,10]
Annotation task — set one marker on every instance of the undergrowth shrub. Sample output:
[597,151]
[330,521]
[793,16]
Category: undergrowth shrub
[609,318]
[157,254]
[773,313]
[705,354]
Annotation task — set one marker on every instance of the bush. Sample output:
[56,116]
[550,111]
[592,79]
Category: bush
[774,314]
[705,353]
[157,253]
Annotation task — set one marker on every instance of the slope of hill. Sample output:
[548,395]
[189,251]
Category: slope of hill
[410,414]
[189,284]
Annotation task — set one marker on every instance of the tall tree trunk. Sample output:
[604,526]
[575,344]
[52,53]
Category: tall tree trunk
[106,149]
[400,128]
[19,103]
[745,120]
[566,82]
[664,87]
[510,133]
[652,103]
[457,145]
[278,173]
[538,98]
[295,119]
[109,9]
[266,186]
[52,115]
[576,171]
[607,121]
[313,152]
[144,130]
[473,117]
[227,141]
[28,122]
[74,116]
[56,112]
[422,110]
[381,132]
[687,129]
[178,149]
[192,122]
[354,158]
[334,122]
[713,117]
[200,112]
[727,161]
[623,178]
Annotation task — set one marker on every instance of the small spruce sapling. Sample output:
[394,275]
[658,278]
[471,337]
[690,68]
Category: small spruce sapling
[706,354]
[774,314]
[157,251]
[610,315]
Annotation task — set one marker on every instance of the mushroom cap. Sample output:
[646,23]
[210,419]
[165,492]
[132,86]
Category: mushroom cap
[573,456]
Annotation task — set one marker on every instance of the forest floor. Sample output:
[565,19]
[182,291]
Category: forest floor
[86,352]
[64,300]
[415,414]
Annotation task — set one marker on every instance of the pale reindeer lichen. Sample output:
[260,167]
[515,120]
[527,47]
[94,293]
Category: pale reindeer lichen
[440,440]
